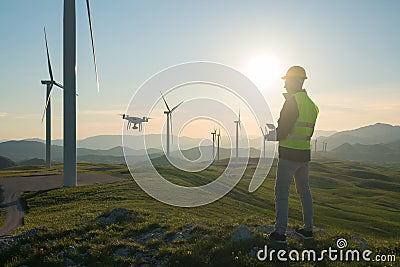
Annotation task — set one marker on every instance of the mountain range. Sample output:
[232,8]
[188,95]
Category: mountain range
[379,142]
[379,133]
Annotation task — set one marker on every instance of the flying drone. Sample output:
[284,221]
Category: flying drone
[137,122]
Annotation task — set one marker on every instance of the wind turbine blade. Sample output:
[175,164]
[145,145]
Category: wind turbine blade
[61,86]
[58,84]
[170,127]
[47,103]
[165,101]
[93,49]
[48,56]
[176,106]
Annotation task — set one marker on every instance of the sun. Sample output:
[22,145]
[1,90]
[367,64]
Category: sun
[263,70]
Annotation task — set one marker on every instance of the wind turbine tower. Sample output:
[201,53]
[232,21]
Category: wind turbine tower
[264,138]
[218,140]
[47,109]
[237,136]
[213,143]
[69,61]
[168,113]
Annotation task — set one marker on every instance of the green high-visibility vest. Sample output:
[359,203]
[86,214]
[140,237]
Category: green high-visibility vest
[300,135]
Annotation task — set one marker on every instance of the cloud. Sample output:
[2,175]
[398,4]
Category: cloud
[3,114]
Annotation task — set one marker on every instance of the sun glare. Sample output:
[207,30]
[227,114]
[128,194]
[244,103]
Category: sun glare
[263,70]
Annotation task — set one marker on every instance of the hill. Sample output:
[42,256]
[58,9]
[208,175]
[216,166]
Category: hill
[81,226]
[6,163]
[379,133]
[26,150]
[381,153]
[379,142]
[34,161]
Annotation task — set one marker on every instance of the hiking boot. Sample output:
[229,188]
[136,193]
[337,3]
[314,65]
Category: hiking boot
[304,234]
[277,238]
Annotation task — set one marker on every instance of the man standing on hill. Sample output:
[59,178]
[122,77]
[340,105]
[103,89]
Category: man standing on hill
[294,131]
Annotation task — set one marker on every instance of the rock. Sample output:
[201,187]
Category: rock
[10,240]
[266,229]
[114,215]
[138,255]
[242,237]
[161,213]
[153,234]
[189,226]
[290,233]
[319,231]
[72,249]
[122,252]
[32,233]
[363,243]
[70,262]
[253,252]
[26,246]
[185,233]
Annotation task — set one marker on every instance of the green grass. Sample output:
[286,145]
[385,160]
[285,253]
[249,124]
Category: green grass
[349,198]
[39,170]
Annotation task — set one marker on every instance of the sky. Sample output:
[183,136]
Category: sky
[350,50]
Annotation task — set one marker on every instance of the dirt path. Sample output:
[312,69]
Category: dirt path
[15,186]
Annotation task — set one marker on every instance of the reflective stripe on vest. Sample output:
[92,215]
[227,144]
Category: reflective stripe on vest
[300,135]
[305,124]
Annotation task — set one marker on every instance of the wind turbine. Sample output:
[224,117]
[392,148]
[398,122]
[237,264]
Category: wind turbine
[213,143]
[237,136]
[218,139]
[47,109]
[265,137]
[69,61]
[168,113]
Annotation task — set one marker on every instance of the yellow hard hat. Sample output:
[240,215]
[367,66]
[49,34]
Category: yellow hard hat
[295,71]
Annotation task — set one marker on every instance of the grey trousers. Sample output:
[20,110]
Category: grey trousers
[284,174]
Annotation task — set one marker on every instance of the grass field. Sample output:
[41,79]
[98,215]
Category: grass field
[350,199]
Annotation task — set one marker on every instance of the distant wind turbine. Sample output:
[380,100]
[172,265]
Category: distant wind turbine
[168,113]
[324,145]
[264,138]
[218,140]
[69,72]
[47,109]
[213,143]
[237,135]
